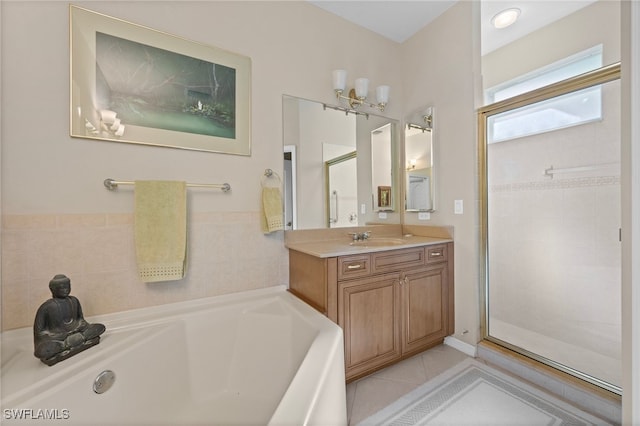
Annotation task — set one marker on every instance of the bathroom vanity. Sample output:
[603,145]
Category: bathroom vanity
[393,295]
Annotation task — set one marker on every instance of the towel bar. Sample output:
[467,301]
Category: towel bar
[112,185]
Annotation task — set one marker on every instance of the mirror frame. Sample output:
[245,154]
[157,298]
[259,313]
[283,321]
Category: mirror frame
[422,119]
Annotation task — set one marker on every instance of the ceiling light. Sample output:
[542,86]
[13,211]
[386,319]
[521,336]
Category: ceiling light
[505,18]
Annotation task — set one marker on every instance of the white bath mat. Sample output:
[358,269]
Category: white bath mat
[474,394]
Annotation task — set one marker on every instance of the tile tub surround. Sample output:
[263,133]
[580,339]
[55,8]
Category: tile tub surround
[227,253]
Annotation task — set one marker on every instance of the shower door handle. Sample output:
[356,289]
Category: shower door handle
[335,197]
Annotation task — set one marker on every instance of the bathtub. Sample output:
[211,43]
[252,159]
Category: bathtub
[253,358]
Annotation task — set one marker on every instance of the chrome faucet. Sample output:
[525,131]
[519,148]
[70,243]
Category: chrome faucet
[360,236]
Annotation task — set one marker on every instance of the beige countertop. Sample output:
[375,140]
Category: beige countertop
[345,247]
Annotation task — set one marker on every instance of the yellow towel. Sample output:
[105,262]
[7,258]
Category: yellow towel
[161,230]
[271,210]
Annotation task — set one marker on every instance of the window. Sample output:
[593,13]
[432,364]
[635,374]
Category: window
[569,110]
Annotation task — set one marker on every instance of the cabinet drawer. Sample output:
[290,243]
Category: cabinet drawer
[395,260]
[354,266]
[437,254]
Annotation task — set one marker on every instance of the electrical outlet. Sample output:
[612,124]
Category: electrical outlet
[382,215]
[363,208]
[424,216]
[458,207]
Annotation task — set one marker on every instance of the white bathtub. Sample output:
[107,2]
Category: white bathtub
[253,358]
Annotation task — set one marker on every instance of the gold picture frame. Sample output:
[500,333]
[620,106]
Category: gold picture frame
[384,196]
[133,84]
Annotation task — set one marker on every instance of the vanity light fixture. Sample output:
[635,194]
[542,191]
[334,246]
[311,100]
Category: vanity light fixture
[358,95]
[505,18]
[426,117]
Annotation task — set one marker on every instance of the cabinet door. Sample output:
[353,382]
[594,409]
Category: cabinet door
[369,314]
[425,316]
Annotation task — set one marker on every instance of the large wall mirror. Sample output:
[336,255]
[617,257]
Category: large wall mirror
[340,167]
[419,168]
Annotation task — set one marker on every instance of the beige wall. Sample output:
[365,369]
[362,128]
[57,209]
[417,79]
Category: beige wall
[588,27]
[57,216]
[630,212]
[292,52]
[438,66]
[59,219]
[51,180]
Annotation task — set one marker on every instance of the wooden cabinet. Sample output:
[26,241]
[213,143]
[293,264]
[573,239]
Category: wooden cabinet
[368,314]
[390,304]
[425,312]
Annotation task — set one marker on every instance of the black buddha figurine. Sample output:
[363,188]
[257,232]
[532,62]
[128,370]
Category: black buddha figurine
[60,330]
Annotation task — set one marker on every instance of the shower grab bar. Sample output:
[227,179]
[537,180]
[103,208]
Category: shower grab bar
[550,171]
[112,185]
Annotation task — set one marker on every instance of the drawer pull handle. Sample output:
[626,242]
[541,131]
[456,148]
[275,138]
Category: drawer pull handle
[436,254]
[358,266]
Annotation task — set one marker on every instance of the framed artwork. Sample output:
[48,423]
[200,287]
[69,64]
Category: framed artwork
[384,196]
[133,84]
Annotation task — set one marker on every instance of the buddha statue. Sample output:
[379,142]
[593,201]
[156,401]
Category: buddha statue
[60,330]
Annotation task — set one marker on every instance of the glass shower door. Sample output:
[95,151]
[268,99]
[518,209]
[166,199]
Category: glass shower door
[551,231]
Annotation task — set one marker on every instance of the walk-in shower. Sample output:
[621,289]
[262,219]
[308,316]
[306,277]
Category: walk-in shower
[550,164]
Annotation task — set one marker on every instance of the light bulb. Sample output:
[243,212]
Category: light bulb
[382,94]
[505,18]
[362,87]
[339,80]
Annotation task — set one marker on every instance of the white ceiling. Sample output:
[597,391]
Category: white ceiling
[534,14]
[398,20]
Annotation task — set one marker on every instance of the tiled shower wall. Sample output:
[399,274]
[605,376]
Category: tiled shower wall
[554,244]
[557,269]
[227,253]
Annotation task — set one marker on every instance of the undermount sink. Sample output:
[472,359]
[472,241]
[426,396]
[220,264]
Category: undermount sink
[379,242]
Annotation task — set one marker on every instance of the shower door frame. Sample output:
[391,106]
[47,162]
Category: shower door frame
[327,181]
[594,78]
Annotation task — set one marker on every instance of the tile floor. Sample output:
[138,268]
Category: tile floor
[370,394]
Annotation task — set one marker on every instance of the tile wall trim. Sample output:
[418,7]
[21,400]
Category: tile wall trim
[551,184]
